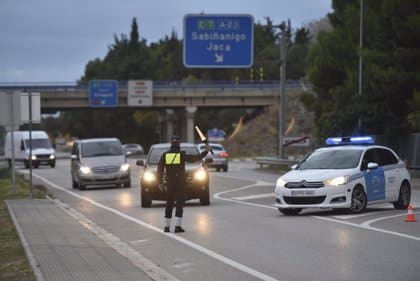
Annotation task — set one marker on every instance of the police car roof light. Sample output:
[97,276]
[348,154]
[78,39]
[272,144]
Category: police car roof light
[349,140]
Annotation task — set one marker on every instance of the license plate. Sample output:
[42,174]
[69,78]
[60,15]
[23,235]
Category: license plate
[303,192]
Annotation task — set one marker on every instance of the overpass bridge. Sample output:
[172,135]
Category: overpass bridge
[176,101]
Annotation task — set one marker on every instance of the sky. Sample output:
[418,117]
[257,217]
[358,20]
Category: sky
[51,41]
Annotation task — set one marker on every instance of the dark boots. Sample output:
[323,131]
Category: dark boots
[179,229]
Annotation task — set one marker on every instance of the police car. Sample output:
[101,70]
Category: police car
[350,173]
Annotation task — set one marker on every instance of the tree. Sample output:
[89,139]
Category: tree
[390,56]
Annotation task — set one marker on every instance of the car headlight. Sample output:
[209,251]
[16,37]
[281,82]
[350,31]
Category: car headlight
[52,156]
[200,175]
[149,176]
[125,167]
[280,182]
[336,181]
[85,170]
[33,157]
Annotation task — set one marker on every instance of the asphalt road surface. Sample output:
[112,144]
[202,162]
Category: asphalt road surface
[241,236]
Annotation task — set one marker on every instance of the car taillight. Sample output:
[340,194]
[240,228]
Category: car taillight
[224,154]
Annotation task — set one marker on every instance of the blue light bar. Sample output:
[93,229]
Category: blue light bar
[350,140]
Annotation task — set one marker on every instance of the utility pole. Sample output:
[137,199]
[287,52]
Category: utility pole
[360,59]
[282,107]
[12,138]
[30,147]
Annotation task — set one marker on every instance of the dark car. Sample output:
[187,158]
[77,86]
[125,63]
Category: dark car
[132,149]
[197,176]
[220,158]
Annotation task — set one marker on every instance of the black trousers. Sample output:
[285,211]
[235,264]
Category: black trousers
[175,191]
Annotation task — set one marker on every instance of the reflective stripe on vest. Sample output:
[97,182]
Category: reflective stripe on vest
[173,158]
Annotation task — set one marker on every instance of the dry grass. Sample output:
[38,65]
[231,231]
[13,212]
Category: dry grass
[14,264]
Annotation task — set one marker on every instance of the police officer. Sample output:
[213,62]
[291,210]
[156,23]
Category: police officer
[173,162]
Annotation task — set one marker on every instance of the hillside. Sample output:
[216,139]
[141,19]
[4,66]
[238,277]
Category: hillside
[258,137]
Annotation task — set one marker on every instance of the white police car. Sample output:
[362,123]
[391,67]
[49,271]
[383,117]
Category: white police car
[351,173]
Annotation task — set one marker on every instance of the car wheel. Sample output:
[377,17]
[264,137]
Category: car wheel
[9,163]
[205,199]
[358,200]
[52,164]
[127,184]
[81,186]
[26,163]
[218,169]
[404,197]
[225,168]
[291,211]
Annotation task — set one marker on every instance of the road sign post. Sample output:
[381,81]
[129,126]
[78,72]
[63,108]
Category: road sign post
[103,93]
[218,41]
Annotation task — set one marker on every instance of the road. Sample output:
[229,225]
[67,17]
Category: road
[241,236]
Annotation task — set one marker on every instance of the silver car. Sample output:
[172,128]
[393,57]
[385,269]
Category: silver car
[133,149]
[220,158]
[99,161]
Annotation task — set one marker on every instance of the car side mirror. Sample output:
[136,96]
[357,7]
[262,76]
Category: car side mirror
[372,166]
[140,163]
[294,167]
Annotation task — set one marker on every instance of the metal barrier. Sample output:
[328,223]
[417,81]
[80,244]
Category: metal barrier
[273,161]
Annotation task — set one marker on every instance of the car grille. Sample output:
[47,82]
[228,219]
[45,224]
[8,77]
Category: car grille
[305,184]
[43,156]
[307,200]
[106,170]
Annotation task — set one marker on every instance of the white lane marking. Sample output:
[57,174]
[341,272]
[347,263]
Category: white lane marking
[388,207]
[256,196]
[369,228]
[368,223]
[218,195]
[189,243]
[153,271]
[244,179]
[139,241]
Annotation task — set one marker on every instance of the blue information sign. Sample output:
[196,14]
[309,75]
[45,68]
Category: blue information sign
[218,41]
[103,93]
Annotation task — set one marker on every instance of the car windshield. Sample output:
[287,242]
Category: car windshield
[332,159]
[101,148]
[156,153]
[131,146]
[38,143]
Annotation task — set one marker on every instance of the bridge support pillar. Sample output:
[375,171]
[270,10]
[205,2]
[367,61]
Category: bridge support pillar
[179,122]
[166,121]
[190,113]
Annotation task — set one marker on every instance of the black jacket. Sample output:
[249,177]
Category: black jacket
[173,161]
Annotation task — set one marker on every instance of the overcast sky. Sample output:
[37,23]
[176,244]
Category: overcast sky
[52,40]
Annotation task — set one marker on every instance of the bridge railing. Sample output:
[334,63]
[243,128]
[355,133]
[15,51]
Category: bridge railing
[157,85]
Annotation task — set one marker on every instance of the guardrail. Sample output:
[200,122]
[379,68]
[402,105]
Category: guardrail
[274,161]
[157,85]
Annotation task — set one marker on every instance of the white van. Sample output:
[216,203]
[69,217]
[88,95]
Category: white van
[42,151]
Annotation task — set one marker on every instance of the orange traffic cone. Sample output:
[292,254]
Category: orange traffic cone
[411,217]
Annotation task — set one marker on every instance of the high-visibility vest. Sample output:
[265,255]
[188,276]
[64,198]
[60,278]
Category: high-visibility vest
[172,158]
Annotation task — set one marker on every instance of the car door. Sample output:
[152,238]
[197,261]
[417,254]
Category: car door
[374,178]
[391,169]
